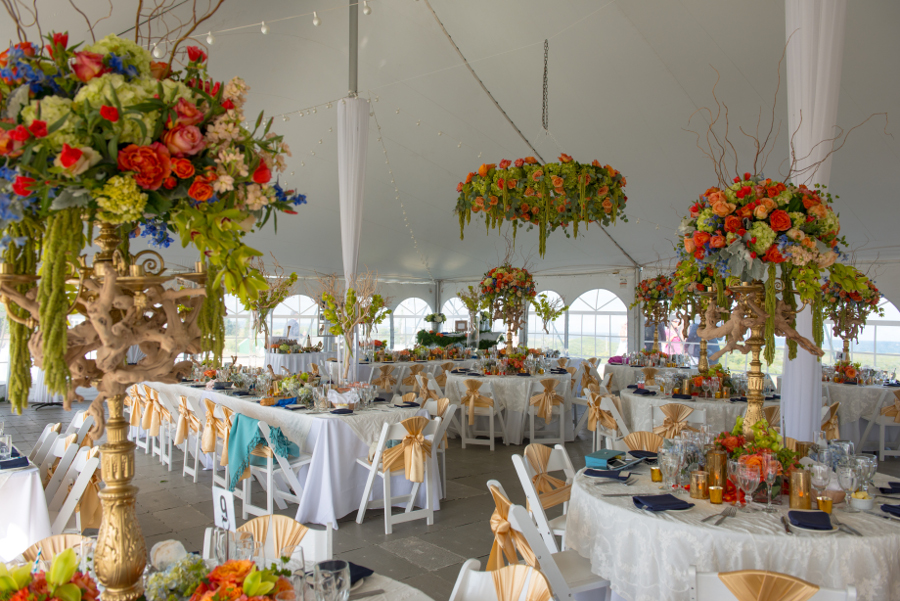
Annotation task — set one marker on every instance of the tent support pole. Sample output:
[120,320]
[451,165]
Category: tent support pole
[354,47]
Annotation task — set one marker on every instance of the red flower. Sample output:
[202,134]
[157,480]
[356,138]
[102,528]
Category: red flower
[182,168]
[110,113]
[773,256]
[780,221]
[59,39]
[150,164]
[701,238]
[169,183]
[564,158]
[200,190]
[19,133]
[69,156]
[459,187]
[519,162]
[505,164]
[228,104]
[262,175]
[88,65]
[38,128]
[732,224]
[195,54]
[22,185]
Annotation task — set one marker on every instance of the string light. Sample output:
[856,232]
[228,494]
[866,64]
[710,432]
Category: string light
[366,9]
[157,51]
[316,19]
[264,28]
[210,39]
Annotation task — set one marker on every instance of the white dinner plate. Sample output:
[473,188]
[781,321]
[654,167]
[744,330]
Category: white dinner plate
[358,584]
[798,530]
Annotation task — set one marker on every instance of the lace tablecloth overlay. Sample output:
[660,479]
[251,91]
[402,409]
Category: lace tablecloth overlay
[858,403]
[296,362]
[431,367]
[646,556]
[513,393]
[720,414]
[624,376]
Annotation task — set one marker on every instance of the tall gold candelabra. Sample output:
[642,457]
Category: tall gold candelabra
[656,313]
[705,298]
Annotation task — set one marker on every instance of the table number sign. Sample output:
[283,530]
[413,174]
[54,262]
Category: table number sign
[223,506]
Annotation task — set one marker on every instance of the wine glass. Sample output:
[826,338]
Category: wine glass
[668,465]
[867,465]
[332,580]
[819,477]
[733,476]
[848,480]
[770,473]
[748,480]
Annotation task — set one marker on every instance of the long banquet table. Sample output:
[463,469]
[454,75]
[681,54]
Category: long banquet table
[646,556]
[513,393]
[296,362]
[720,413]
[333,483]
[431,367]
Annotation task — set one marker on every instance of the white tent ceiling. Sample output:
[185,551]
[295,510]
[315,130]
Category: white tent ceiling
[624,77]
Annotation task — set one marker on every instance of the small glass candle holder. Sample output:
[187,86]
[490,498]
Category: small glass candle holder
[699,485]
[715,495]
[825,504]
[655,474]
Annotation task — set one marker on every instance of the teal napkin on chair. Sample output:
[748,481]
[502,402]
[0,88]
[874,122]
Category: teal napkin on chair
[246,436]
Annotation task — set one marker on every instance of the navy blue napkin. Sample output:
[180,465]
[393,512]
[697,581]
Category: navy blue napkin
[15,453]
[632,386]
[889,491]
[741,399]
[358,572]
[342,411]
[893,384]
[474,374]
[811,520]
[850,383]
[682,397]
[558,371]
[458,371]
[639,454]
[380,399]
[240,393]
[14,463]
[891,509]
[459,359]
[611,474]
[409,404]
[221,385]
[524,375]
[773,397]
[644,392]
[660,502]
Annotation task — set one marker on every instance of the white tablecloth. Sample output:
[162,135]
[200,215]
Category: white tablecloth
[24,519]
[296,362]
[333,483]
[40,394]
[646,556]
[720,414]
[514,393]
[393,590]
[858,403]
[624,376]
[431,367]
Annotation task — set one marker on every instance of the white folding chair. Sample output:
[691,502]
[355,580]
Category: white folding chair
[192,425]
[431,383]
[60,521]
[57,452]
[59,472]
[567,572]
[468,436]
[612,438]
[472,585]
[558,411]
[287,469]
[66,477]
[708,586]
[439,444]
[44,443]
[80,424]
[375,468]
[549,529]
[883,421]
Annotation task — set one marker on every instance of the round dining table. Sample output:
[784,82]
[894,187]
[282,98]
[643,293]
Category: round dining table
[637,410]
[646,556]
[513,394]
[859,404]
[624,376]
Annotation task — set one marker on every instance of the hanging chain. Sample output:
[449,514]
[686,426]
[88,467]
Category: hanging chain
[545,117]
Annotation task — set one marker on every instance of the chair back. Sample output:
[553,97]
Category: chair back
[428,389]
[474,393]
[79,487]
[535,506]
[675,418]
[42,446]
[520,521]
[760,584]
[412,450]
[830,422]
[52,546]
[607,380]
[643,441]
[80,424]
[510,583]
[277,532]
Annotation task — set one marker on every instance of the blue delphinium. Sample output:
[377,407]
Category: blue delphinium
[156,230]
[290,196]
[117,64]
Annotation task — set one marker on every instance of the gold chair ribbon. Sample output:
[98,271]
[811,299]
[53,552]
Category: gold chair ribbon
[187,421]
[151,419]
[52,546]
[598,416]
[208,440]
[593,361]
[571,371]
[89,505]
[562,361]
[473,399]
[893,410]
[410,380]
[674,423]
[759,585]
[510,580]
[442,405]
[830,426]
[223,432]
[286,532]
[790,443]
[551,490]
[546,400]
[650,376]
[609,385]
[385,381]
[643,441]
[315,368]
[441,379]
[411,452]
[773,416]
[507,542]
[587,380]
[137,401]
[426,392]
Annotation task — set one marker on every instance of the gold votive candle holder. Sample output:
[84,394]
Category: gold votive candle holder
[699,485]
[803,448]
[676,390]
[825,504]
[715,494]
[718,394]
[655,474]
[800,497]
[717,466]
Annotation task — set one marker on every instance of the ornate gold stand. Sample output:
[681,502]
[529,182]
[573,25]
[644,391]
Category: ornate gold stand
[656,313]
[756,379]
[121,552]
[705,299]
[846,349]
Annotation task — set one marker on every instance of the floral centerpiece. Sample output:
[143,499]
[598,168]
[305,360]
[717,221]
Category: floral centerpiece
[750,450]
[550,196]
[548,311]
[239,579]
[849,297]
[435,318]
[63,582]
[507,290]
[178,581]
[653,290]
[846,371]
[279,287]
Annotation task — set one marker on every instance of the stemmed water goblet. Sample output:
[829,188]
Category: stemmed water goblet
[819,477]
[770,473]
[848,479]
[748,480]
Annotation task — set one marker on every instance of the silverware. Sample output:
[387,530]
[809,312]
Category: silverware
[785,522]
[729,512]
[882,515]
[626,482]
[355,596]
[715,515]
[619,494]
[844,527]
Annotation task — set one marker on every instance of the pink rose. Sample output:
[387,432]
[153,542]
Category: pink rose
[689,245]
[88,65]
[184,140]
[188,113]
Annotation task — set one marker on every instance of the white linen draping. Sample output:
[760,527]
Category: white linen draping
[24,519]
[352,142]
[814,60]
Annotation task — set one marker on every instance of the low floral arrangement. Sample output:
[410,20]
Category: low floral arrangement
[715,371]
[63,582]
[178,581]
[845,370]
[550,196]
[237,580]
[435,318]
[766,440]
[651,353]
[421,352]
[653,290]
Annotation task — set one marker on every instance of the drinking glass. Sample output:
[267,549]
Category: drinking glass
[668,465]
[733,477]
[5,447]
[233,545]
[332,580]
[770,472]
[819,477]
[748,479]
[848,480]
[866,465]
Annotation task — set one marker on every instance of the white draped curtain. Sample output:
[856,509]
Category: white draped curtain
[814,57]
[353,141]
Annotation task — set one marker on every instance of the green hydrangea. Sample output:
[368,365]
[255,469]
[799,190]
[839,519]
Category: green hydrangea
[830,223]
[98,92]
[764,235]
[53,108]
[172,90]
[128,50]
[798,218]
[120,200]
[707,221]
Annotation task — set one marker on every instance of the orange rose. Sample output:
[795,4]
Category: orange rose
[150,164]
[607,205]
[494,201]
[537,175]
[699,254]
[511,184]
[529,191]
[182,168]
[231,571]
[732,224]
[689,245]
[780,221]
[469,177]
[760,212]
[200,190]
[819,210]
[159,69]
[485,168]
[810,201]
[773,256]
[850,372]
[557,181]
[479,201]
[603,191]
[531,160]
[717,241]
[564,158]
[723,209]
[714,196]
[745,212]
[701,238]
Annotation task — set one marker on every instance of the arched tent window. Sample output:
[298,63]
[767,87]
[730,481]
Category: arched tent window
[555,336]
[879,342]
[239,334]
[406,320]
[598,325]
[295,318]
[454,310]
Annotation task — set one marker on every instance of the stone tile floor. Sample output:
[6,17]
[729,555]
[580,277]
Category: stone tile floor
[425,557]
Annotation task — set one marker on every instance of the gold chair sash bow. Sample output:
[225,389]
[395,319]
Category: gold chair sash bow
[89,505]
[410,454]
[507,542]
[510,580]
[208,440]
[137,401]
[759,585]
[790,443]
[831,426]
[426,392]
[893,410]
[385,381]
[551,490]
[187,421]
[286,532]
[593,361]
[601,417]
[441,378]
[773,416]
[562,361]
[650,376]
[410,380]
[223,432]
[472,398]
[442,405]
[52,546]
[571,371]
[587,380]
[151,419]
[643,441]
[674,423]
[314,367]
[546,400]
